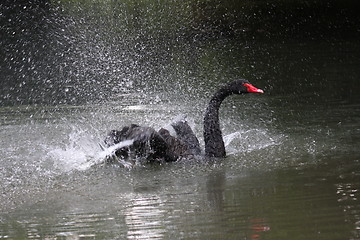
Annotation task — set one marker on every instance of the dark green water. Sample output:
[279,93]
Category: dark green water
[293,165]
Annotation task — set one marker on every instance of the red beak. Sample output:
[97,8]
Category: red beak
[252,89]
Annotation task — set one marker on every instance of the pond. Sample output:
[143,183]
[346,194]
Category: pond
[292,169]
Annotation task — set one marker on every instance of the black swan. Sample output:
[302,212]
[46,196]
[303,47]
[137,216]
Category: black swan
[154,145]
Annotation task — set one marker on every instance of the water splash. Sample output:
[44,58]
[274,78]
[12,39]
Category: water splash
[80,153]
[250,140]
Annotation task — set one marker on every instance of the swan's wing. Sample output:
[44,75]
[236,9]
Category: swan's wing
[187,135]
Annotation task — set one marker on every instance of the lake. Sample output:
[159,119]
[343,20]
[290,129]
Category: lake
[292,169]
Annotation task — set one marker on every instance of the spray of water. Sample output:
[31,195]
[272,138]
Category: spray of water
[250,140]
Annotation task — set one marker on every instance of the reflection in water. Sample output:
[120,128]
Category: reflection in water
[63,226]
[257,226]
[144,218]
[220,201]
[348,194]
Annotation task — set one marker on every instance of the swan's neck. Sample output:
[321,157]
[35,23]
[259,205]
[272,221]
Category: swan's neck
[214,144]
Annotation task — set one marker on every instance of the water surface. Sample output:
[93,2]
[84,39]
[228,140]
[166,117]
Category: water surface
[293,164]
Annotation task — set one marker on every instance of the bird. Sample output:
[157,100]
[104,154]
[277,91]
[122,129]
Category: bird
[152,145]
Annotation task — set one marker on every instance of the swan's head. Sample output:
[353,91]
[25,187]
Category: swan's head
[243,86]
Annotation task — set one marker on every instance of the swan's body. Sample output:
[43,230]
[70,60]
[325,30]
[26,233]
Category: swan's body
[160,145]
